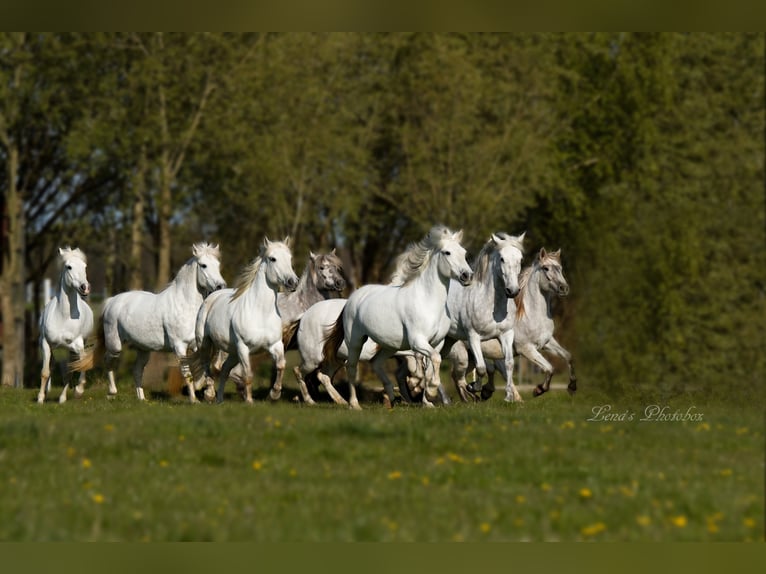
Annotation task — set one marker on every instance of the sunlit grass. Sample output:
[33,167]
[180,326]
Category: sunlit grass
[98,469]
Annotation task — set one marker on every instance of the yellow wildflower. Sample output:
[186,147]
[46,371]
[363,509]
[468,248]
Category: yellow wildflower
[643,520]
[679,521]
[593,529]
[257,465]
[86,463]
[394,475]
[98,498]
[749,522]
[586,492]
[485,527]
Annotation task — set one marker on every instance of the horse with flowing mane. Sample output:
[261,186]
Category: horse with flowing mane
[161,321]
[540,282]
[67,320]
[411,314]
[246,319]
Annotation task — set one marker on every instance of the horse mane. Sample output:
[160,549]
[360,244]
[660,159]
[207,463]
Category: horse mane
[246,277]
[526,274]
[410,264]
[67,252]
[203,248]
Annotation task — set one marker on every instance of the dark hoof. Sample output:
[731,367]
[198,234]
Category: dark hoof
[539,390]
[486,393]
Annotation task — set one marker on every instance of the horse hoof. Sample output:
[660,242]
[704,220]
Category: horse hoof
[486,394]
[539,390]
[275,396]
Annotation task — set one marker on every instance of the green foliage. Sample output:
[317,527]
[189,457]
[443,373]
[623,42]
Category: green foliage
[640,155]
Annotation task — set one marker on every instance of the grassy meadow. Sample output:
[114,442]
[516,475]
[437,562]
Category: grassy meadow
[117,470]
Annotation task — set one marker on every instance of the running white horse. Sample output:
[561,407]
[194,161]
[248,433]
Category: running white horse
[157,321]
[485,309]
[412,315]
[540,283]
[321,279]
[67,320]
[246,319]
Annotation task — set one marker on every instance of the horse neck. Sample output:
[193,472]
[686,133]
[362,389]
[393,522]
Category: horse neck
[260,294]
[432,283]
[185,284]
[68,300]
[306,294]
[536,302]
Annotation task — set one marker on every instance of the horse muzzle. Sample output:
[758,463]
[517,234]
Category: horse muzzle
[511,293]
[291,283]
[465,278]
[563,290]
[84,289]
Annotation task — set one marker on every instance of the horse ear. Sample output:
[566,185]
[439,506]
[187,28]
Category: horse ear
[557,255]
[458,236]
[333,251]
[287,241]
[312,255]
[542,255]
[521,237]
[494,238]
[61,251]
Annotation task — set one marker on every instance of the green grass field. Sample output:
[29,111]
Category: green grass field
[98,469]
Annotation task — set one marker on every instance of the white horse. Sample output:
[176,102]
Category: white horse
[321,279]
[485,309]
[67,320]
[540,283]
[246,319]
[157,321]
[412,315]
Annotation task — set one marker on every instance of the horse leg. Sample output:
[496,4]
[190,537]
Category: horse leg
[460,363]
[183,363]
[142,357]
[553,346]
[326,381]
[431,391]
[531,353]
[378,365]
[277,352]
[480,366]
[228,365]
[506,345]
[405,373]
[45,374]
[302,386]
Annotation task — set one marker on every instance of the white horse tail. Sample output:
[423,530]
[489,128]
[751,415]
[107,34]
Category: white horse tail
[289,340]
[333,341]
[93,354]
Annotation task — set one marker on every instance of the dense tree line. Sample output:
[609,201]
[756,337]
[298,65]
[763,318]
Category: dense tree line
[640,155]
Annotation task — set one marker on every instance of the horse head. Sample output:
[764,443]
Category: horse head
[506,260]
[328,271]
[208,260]
[278,260]
[549,265]
[451,254]
[73,273]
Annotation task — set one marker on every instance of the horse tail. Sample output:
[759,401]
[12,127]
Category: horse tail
[94,353]
[333,341]
[289,340]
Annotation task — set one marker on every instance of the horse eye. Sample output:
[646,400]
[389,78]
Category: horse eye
[273,259]
[545,269]
[69,267]
[447,253]
[502,259]
[203,265]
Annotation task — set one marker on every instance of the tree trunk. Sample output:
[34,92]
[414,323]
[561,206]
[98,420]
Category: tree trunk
[163,222]
[13,294]
[137,226]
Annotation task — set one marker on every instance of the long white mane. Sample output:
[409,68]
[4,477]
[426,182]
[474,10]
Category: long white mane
[410,264]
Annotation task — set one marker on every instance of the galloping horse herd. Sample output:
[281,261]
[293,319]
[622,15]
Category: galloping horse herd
[435,305]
